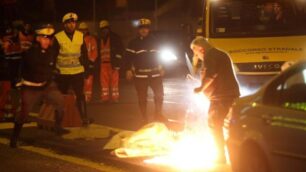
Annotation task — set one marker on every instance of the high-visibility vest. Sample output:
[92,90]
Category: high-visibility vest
[105,53]
[68,59]
[91,45]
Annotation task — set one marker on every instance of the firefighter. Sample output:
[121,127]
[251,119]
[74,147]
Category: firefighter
[37,81]
[26,37]
[144,65]
[111,53]
[72,62]
[11,55]
[92,53]
[218,84]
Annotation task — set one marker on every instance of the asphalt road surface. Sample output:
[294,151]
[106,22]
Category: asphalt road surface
[41,150]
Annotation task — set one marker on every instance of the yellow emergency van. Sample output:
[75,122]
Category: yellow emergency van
[259,35]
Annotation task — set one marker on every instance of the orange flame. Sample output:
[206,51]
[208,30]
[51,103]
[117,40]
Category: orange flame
[195,147]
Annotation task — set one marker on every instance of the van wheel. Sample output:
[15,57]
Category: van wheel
[252,159]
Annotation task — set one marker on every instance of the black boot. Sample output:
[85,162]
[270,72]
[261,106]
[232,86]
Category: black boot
[15,135]
[58,129]
[83,111]
[158,111]
[143,111]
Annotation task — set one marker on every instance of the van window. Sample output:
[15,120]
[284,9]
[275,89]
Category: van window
[241,18]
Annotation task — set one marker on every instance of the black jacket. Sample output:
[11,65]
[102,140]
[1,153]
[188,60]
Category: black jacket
[142,54]
[218,66]
[38,65]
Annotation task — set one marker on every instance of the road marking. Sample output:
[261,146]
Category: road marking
[74,160]
[9,125]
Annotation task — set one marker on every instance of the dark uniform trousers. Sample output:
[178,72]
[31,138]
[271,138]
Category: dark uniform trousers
[31,96]
[217,112]
[156,84]
[76,82]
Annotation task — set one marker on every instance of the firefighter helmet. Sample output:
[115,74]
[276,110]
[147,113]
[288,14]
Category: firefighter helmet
[83,25]
[70,17]
[45,30]
[103,24]
[144,22]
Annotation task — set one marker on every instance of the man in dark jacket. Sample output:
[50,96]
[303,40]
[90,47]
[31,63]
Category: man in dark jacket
[143,63]
[110,52]
[218,84]
[37,83]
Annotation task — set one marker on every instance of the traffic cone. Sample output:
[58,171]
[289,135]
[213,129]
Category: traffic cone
[5,87]
[71,116]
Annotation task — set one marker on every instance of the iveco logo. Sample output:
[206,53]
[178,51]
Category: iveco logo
[267,66]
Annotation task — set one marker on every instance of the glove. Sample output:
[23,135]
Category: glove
[56,71]
[197,90]
[129,75]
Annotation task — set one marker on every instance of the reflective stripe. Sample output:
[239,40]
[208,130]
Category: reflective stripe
[141,51]
[156,75]
[130,50]
[147,76]
[118,56]
[29,83]
[141,76]
[148,70]
[12,57]
[70,54]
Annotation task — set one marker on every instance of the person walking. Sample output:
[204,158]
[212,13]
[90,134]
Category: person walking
[38,66]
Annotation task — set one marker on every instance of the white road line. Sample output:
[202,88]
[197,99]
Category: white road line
[67,158]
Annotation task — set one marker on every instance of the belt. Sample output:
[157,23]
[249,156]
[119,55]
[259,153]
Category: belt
[148,70]
[147,76]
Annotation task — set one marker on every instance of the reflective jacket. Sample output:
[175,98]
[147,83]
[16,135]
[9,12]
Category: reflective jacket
[69,56]
[142,56]
[91,45]
[116,49]
[38,66]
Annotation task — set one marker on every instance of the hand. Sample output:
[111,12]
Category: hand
[56,71]
[162,72]
[116,68]
[197,90]
[129,75]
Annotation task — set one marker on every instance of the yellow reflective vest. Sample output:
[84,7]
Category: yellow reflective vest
[68,59]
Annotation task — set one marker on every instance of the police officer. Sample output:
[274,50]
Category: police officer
[218,84]
[111,53]
[72,62]
[37,83]
[144,65]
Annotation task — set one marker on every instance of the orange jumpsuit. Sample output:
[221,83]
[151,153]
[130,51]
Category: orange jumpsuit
[109,76]
[91,45]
